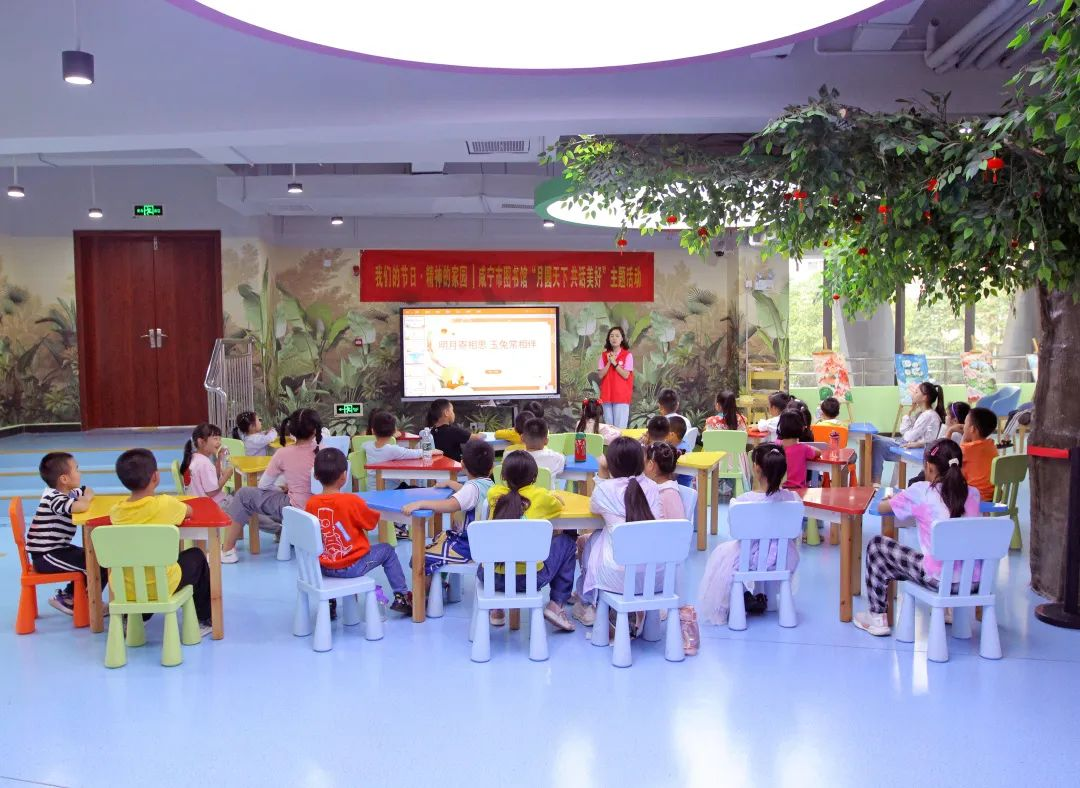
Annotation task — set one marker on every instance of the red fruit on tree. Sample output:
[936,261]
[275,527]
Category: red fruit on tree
[863,251]
[621,242]
[672,219]
[702,232]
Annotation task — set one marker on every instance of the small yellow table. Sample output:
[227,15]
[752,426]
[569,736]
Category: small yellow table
[246,471]
[705,464]
[637,433]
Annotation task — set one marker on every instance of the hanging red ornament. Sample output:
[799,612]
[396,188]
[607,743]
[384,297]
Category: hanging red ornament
[672,219]
[621,242]
[835,200]
[788,196]
[993,164]
[835,296]
[1014,244]
[704,233]
[800,195]
[927,215]
[932,187]
[884,211]
[857,218]
[863,251]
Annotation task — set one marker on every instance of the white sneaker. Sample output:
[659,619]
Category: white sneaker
[229,556]
[586,614]
[877,624]
[206,629]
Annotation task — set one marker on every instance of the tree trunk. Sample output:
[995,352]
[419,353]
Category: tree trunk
[1056,424]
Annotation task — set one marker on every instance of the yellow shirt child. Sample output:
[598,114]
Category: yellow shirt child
[153,510]
[542,506]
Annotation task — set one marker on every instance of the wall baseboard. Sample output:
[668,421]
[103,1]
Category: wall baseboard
[19,429]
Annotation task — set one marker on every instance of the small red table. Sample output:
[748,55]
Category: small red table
[407,438]
[438,468]
[846,506]
[832,462]
[205,523]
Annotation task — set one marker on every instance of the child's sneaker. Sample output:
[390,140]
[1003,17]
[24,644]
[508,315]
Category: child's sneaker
[402,603]
[877,624]
[401,531]
[229,556]
[586,614]
[206,629]
[63,603]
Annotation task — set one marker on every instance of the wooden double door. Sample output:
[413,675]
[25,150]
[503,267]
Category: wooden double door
[149,310]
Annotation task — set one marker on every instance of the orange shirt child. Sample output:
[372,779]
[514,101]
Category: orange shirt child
[343,518]
[978,455]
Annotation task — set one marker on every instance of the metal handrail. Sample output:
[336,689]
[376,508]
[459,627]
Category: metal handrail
[229,381]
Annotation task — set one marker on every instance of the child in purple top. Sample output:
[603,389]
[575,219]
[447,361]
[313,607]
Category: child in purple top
[944,495]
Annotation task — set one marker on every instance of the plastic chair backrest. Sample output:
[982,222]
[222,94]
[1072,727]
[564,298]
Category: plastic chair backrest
[177,477]
[302,532]
[509,542]
[691,437]
[644,545]
[236,447]
[594,444]
[339,442]
[140,550]
[761,522]
[731,441]
[357,460]
[689,503]
[965,540]
[1008,469]
[358,441]
[543,477]
[563,442]
[822,432]
[316,485]
[18,529]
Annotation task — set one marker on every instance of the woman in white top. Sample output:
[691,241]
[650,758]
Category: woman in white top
[918,428]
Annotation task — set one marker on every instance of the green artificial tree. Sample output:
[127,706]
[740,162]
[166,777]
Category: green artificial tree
[969,206]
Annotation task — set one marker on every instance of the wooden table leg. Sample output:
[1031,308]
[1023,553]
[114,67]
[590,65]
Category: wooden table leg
[416,535]
[515,617]
[590,485]
[385,527]
[866,453]
[888,528]
[902,471]
[711,486]
[379,483]
[93,583]
[254,545]
[702,513]
[217,613]
[845,567]
[856,557]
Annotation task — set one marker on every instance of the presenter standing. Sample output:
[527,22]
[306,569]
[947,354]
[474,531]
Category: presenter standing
[616,367]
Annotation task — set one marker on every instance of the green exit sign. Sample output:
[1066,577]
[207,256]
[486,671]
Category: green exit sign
[349,409]
[148,209]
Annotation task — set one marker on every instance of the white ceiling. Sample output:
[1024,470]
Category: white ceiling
[173,88]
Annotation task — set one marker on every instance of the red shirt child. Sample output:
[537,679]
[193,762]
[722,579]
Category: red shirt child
[343,519]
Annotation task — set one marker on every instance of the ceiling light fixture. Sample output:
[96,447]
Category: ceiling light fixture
[78,66]
[548,224]
[295,187]
[15,191]
[337,220]
[479,41]
[94,213]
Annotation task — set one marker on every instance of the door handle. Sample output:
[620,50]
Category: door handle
[160,336]
[151,337]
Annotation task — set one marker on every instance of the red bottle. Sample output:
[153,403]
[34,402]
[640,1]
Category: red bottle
[579,447]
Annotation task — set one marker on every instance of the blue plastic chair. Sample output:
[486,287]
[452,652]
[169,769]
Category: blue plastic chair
[1001,402]
[759,523]
[643,547]
[963,540]
[509,542]
[301,530]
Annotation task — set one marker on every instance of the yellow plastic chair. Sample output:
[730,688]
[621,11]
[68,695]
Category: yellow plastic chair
[143,552]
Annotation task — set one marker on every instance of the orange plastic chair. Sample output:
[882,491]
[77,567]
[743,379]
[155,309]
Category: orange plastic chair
[821,434]
[30,580]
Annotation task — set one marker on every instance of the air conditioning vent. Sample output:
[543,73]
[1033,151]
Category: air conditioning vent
[483,147]
[279,209]
[517,206]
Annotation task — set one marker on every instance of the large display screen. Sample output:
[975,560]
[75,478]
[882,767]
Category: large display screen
[497,352]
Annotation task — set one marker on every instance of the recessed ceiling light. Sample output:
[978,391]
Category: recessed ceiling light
[548,224]
[95,213]
[337,220]
[450,38]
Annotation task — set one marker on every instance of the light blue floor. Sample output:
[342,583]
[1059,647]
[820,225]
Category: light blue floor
[820,704]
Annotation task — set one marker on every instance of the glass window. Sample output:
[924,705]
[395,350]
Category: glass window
[935,331]
[805,329]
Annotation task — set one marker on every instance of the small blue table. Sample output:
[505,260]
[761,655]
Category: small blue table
[907,457]
[389,503]
[579,472]
[866,447]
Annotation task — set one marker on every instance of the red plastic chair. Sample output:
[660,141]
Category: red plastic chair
[30,580]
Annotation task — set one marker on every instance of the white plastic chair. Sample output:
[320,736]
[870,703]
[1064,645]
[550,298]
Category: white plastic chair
[509,542]
[691,437]
[455,572]
[963,540]
[689,504]
[642,547]
[301,530]
[316,485]
[759,523]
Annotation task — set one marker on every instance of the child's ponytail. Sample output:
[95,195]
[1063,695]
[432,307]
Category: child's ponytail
[591,410]
[185,463]
[635,503]
[772,460]
[202,432]
[519,470]
[945,455]
[935,398]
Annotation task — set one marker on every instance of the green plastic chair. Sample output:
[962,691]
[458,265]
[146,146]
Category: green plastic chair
[543,477]
[177,477]
[562,442]
[236,449]
[144,551]
[734,443]
[1006,474]
[358,461]
[358,441]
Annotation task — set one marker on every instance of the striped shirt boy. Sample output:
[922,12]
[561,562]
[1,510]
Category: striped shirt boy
[52,528]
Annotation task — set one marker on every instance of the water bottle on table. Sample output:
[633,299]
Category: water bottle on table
[427,444]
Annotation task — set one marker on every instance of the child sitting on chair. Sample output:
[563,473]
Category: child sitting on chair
[48,541]
[343,518]
[778,401]
[830,412]
[137,471]
[519,497]
[384,426]
[535,435]
[714,593]
[979,450]
[249,430]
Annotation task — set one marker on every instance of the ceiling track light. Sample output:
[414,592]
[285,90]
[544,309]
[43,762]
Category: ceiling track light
[15,191]
[78,66]
[94,212]
[336,220]
[295,187]
[548,224]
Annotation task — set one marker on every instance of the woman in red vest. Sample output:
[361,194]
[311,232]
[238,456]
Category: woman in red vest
[616,367]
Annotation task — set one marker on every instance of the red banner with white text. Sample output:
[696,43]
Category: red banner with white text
[465,276]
